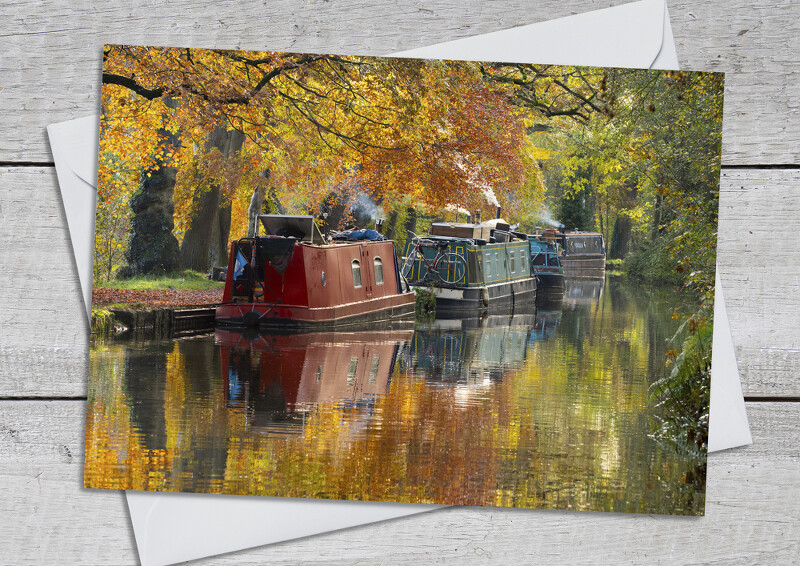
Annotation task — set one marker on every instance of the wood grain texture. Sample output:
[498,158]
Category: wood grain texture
[756,45]
[50,52]
[45,355]
[49,72]
[759,258]
[750,516]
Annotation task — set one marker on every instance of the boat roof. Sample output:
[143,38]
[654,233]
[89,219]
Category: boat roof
[297,226]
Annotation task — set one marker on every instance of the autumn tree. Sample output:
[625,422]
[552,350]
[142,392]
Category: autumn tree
[152,247]
[431,131]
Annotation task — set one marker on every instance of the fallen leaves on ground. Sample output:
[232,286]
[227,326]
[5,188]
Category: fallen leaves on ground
[170,298]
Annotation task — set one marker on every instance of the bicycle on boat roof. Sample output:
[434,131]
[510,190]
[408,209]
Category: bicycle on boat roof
[448,268]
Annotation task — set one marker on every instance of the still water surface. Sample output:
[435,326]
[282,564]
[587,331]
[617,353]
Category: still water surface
[546,410]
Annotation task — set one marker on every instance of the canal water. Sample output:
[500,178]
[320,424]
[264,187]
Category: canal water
[549,410]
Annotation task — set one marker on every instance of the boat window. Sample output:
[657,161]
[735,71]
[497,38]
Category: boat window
[522,267]
[586,244]
[487,260]
[356,274]
[351,371]
[373,368]
[513,255]
[539,259]
[378,270]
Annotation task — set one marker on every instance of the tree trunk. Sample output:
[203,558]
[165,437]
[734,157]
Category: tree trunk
[205,241]
[152,247]
[219,247]
[411,222]
[197,241]
[256,206]
[390,228]
[620,238]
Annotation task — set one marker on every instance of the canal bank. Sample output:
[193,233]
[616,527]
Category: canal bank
[161,322]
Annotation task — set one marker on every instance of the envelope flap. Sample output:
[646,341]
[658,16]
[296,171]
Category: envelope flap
[75,140]
[621,36]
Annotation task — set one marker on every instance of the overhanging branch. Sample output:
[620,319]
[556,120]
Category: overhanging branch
[131,84]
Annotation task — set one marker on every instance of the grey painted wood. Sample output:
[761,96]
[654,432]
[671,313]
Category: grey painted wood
[50,52]
[49,71]
[751,517]
[49,342]
[759,258]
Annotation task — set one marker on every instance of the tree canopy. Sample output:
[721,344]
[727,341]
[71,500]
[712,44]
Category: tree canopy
[212,135]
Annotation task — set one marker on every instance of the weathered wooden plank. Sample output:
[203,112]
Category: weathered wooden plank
[50,53]
[751,516]
[44,338]
[759,258]
[757,46]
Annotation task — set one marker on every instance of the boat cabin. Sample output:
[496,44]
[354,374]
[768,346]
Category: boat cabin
[582,254]
[471,267]
[292,278]
[547,268]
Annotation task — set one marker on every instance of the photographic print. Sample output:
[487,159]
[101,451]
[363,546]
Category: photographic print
[403,280]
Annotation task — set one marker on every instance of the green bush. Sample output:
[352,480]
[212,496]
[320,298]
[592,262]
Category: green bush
[683,396]
[426,303]
[652,262]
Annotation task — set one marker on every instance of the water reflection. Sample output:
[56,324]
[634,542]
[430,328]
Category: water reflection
[471,350]
[582,292]
[281,377]
[544,409]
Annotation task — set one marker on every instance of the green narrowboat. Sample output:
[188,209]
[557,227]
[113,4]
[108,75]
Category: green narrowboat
[471,269]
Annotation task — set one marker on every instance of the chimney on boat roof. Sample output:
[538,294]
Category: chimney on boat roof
[498,211]
[379,225]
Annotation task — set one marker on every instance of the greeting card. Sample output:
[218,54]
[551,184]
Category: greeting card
[388,279]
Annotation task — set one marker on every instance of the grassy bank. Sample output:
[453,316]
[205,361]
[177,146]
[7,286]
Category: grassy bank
[186,280]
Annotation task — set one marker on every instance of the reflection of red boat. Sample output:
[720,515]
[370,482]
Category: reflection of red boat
[291,279]
[280,374]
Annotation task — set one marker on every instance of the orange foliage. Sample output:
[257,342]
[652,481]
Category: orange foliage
[431,131]
[156,297]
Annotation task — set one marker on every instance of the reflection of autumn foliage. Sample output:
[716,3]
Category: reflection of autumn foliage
[157,297]
[566,430]
[408,450]
[115,456]
[134,468]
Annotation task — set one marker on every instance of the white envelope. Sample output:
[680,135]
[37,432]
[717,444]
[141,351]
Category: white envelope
[176,527]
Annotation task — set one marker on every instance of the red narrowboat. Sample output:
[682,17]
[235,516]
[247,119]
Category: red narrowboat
[292,279]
